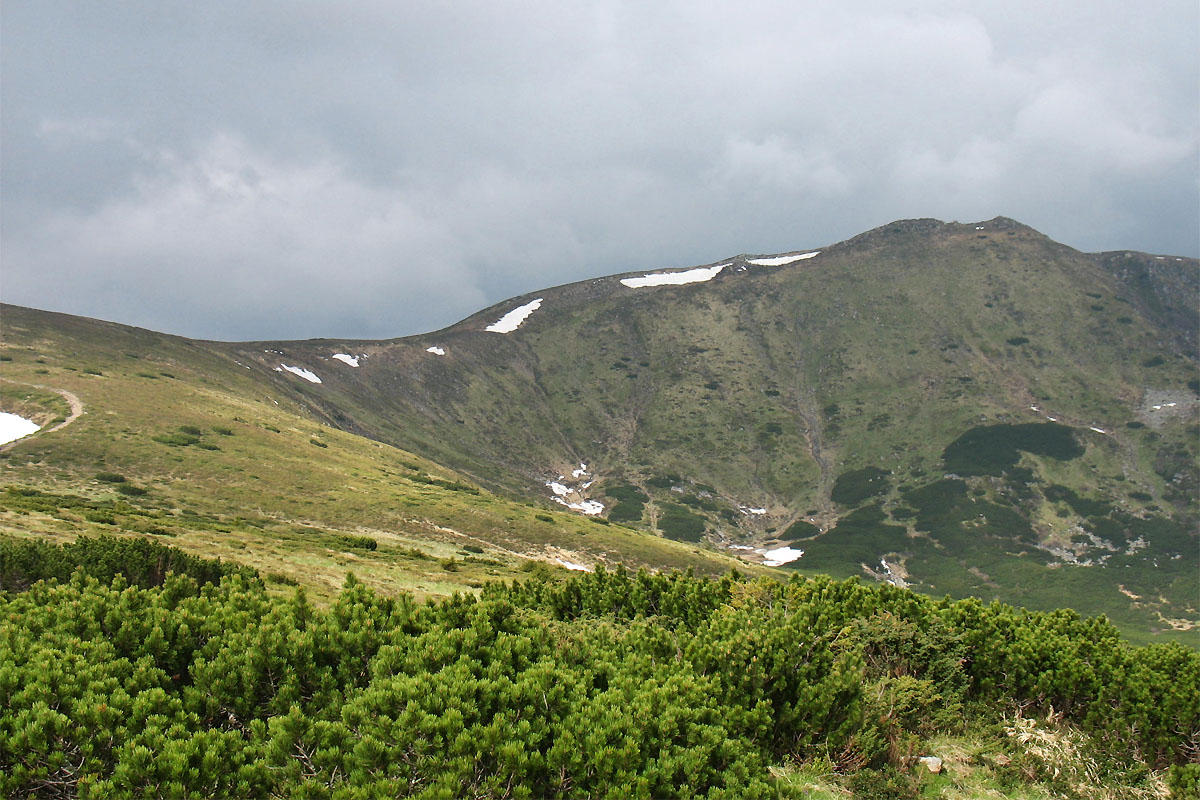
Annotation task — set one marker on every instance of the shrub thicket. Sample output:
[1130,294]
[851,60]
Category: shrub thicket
[605,684]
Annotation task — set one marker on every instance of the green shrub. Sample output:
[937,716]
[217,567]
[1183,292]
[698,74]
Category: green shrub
[176,439]
[677,522]
[631,503]
[190,430]
[222,430]
[543,517]
[110,477]
[356,542]
[1017,341]
[992,449]
[130,490]
[317,442]
[800,529]
[853,487]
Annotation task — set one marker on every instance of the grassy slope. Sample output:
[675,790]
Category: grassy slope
[268,495]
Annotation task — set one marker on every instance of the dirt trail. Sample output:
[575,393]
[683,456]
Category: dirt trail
[72,400]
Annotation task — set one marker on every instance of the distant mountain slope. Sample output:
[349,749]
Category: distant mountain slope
[179,442]
[966,408]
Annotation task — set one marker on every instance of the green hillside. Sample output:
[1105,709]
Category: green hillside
[181,443]
[966,409]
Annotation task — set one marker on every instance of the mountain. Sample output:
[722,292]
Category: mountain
[968,409]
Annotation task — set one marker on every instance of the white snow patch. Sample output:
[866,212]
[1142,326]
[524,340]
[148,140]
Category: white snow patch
[779,261]
[301,371]
[586,484]
[573,565]
[757,511]
[349,359]
[1170,405]
[579,473]
[13,427]
[1052,419]
[1097,430]
[1155,408]
[437,351]
[513,319]
[1034,408]
[674,278]
[740,547]
[780,556]
[558,488]
[589,507]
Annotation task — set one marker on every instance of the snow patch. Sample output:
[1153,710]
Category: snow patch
[755,511]
[740,547]
[348,359]
[779,261]
[579,473]
[780,556]
[558,488]
[437,351]
[674,278]
[1097,430]
[13,427]
[589,507]
[301,371]
[513,319]
[573,565]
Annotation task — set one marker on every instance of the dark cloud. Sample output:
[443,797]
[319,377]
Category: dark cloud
[272,169]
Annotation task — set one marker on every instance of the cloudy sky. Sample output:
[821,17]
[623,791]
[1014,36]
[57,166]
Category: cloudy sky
[246,170]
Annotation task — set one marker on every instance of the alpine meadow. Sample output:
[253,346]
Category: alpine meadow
[911,515]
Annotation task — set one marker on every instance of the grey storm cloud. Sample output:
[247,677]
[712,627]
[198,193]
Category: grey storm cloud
[367,169]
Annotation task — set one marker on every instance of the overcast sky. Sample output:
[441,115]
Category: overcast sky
[252,170]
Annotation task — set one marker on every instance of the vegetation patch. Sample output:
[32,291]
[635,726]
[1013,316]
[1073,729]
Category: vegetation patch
[853,487]
[620,680]
[679,523]
[1082,506]
[992,449]
[800,529]
[631,503]
[859,538]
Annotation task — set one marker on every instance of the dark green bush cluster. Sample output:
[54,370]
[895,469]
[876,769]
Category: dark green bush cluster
[631,503]
[186,436]
[605,685]
[677,522]
[992,449]
[356,542]
[853,487]
[143,563]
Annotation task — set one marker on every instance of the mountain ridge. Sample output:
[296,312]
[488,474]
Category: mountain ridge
[812,405]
